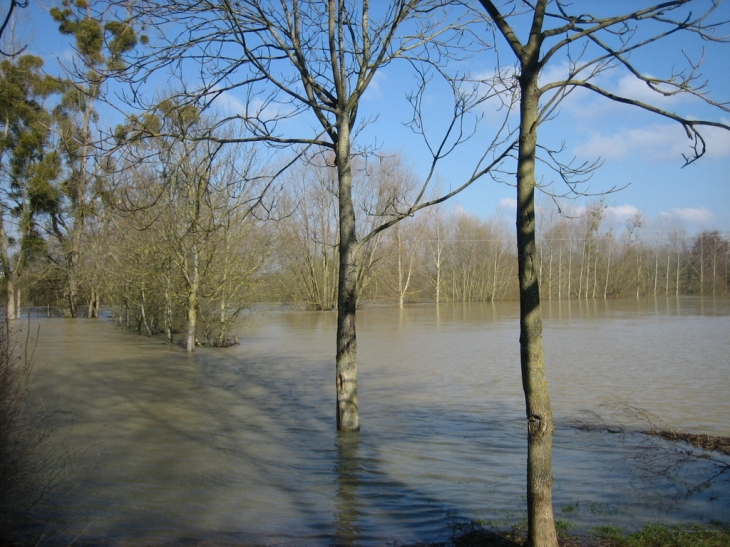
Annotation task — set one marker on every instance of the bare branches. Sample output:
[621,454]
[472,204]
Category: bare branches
[591,44]
[14,4]
[658,453]
[691,127]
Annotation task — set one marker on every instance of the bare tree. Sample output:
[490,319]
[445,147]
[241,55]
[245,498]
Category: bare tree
[314,61]
[586,45]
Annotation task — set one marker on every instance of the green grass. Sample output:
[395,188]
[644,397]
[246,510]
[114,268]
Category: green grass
[652,535]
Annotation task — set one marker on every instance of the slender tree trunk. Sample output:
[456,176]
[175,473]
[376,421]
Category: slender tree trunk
[93,311]
[560,271]
[676,288]
[541,523]
[143,314]
[570,270]
[348,418]
[714,267]
[580,279]
[169,326]
[550,273]
[72,297]
[401,288]
[702,266]
[438,260]
[192,301]
[595,275]
[10,303]
[608,273]
[9,273]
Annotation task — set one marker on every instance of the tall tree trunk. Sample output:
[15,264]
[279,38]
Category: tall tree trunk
[541,523]
[72,296]
[169,324]
[11,309]
[192,303]
[348,418]
[93,311]
[143,315]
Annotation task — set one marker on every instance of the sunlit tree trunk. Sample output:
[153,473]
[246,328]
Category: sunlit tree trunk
[541,524]
[192,299]
[348,418]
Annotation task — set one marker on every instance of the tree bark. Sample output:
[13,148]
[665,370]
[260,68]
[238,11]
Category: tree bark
[72,282]
[541,523]
[348,418]
[192,300]
[11,309]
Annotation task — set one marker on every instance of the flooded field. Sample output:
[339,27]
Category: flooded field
[239,444]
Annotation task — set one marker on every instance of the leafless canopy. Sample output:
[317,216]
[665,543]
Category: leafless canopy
[584,46]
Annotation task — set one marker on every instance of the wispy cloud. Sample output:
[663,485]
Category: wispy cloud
[508,205]
[631,87]
[717,140]
[622,212]
[695,215]
[653,142]
[656,141]
[374,90]
[228,103]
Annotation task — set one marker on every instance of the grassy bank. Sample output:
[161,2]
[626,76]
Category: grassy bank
[652,535]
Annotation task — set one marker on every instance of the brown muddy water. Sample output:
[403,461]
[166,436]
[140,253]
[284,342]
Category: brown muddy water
[239,444]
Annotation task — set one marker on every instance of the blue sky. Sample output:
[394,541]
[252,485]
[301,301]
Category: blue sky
[639,151]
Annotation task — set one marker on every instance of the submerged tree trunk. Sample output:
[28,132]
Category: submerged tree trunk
[93,311]
[72,297]
[348,418]
[541,523]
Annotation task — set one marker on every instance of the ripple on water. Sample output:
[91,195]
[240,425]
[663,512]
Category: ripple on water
[239,444]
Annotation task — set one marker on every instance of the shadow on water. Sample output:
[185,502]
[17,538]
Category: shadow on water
[239,445]
[348,471]
[173,448]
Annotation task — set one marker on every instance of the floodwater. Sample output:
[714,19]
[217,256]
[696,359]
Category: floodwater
[239,444]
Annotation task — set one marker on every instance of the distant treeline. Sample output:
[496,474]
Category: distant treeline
[454,257]
[145,275]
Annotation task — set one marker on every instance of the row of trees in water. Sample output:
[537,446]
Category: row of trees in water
[450,256]
[184,248]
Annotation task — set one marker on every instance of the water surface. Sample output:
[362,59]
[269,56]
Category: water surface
[239,444]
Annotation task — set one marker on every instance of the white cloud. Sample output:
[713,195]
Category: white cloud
[717,140]
[631,87]
[508,204]
[229,103]
[374,90]
[499,89]
[622,212]
[653,142]
[656,141]
[589,108]
[698,215]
